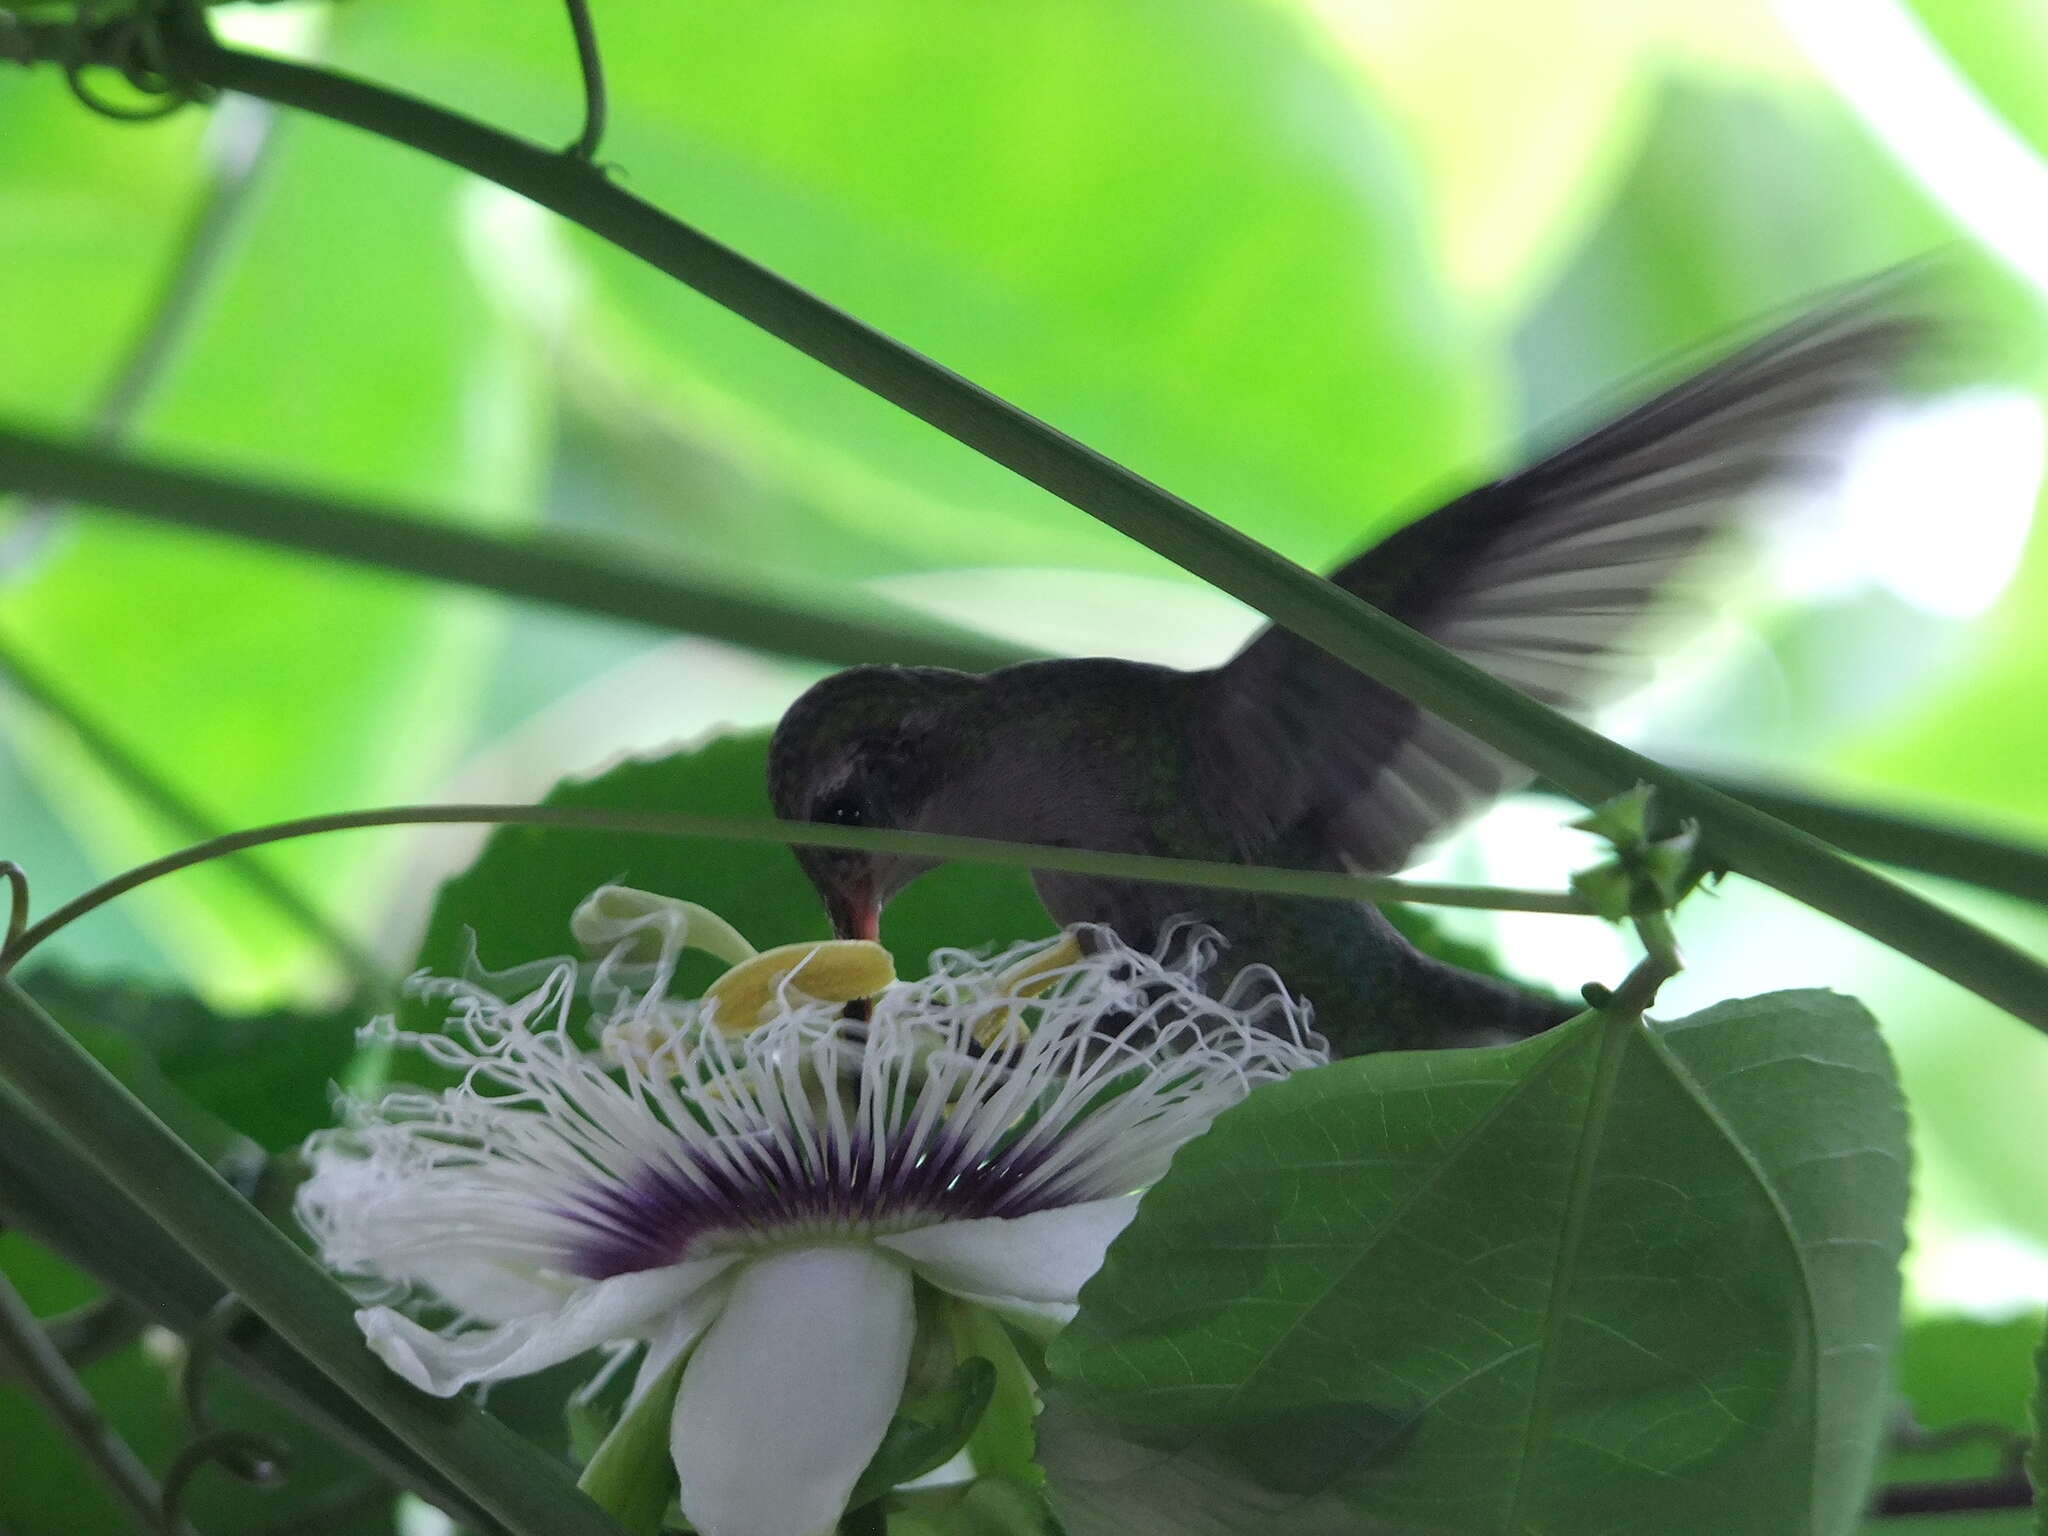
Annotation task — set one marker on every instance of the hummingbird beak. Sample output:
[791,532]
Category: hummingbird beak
[855,914]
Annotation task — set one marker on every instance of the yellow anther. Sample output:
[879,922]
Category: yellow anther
[834,971]
[997,1028]
[1027,978]
[1034,973]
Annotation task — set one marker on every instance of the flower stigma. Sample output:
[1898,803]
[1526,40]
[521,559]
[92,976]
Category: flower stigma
[755,1186]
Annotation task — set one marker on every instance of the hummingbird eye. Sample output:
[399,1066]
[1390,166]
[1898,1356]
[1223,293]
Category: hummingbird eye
[841,811]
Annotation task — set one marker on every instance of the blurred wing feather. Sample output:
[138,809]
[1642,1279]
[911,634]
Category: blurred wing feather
[1542,579]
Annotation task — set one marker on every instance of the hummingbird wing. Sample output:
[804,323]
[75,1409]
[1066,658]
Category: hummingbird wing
[1539,578]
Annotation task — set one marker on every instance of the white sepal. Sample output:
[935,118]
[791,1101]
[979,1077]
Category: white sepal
[1044,1257]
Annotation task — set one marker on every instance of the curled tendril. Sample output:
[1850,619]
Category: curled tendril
[223,1321]
[133,47]
[250,1457]
[245,1456]
[17,898]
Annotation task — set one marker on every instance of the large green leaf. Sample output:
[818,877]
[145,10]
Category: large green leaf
[1171,228]
[1973,1084]
[2001,46]
[208,1077]
[93,215]
[1745,198]
[987,1506]
[1617,1273]
[1519,138]
[517,897]
[1962,1370]
[267,1075]
[1947,749]
[93,210]
[346,343]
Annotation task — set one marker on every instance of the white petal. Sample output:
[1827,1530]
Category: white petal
[1044,1257]
[622,1307]
[487,1290]
[784,1402]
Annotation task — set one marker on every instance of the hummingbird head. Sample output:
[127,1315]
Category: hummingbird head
[864,748]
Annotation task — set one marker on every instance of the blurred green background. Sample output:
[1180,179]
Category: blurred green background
[1312,264]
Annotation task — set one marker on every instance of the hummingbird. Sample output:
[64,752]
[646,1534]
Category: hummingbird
[1284,755]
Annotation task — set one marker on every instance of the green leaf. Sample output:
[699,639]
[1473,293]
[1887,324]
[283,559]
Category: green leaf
[1618,1269]
[317,361]
[45,1182]
[515,900]
[1966,1388]
[156,1173]
[1624,820]
[1744,198]
[1004,1441]
[631,1475]
[48,1488]
[1958,1370]
[986,1506]
[268,1075]
[194,1069]
[1517,135]
[928,1430]
[2001,46]
[2037,1460]
[93,211]
[1299,368]
[1607,889]
[517,897]
[132,1067]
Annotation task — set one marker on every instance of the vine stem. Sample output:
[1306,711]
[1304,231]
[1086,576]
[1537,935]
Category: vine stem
[741,609]
[1972,855]
[488,1463]
[753,609]
[50,1188]
[244,140]
[17,901]
[591,63]
[1659,964]
[762,829]
[163,798]
[2011,1490]
[1586,765]
[48,1377]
